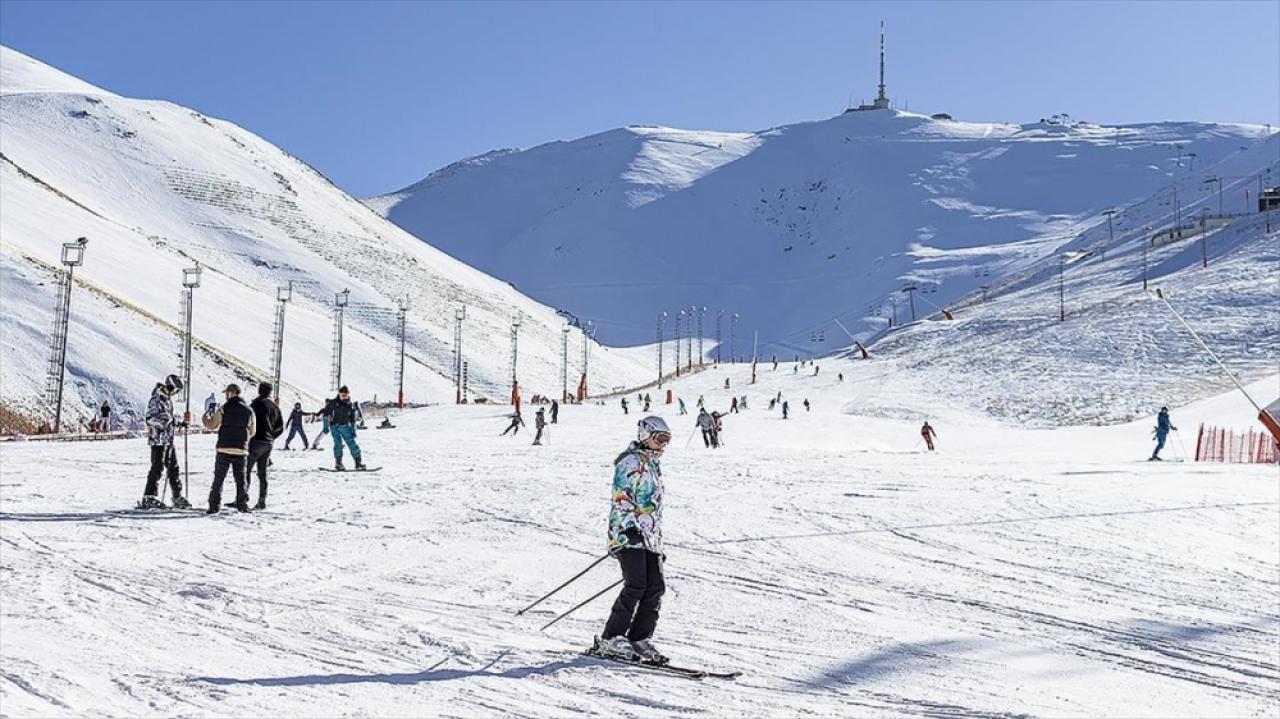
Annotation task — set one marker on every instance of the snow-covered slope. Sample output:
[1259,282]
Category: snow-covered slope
[793,225]
[154,187]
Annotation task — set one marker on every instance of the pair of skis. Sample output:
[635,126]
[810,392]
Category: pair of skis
[686,672]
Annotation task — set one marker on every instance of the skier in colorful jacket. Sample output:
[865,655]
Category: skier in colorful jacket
[635,539]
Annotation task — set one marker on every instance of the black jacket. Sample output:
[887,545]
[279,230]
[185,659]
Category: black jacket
[269,424]
[233,432]
[340,411]
[295,417]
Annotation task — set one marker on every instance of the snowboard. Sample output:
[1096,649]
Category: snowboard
[367,469]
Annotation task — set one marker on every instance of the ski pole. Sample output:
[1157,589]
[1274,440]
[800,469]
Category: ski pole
[691,433]
[571,580]
[580,605]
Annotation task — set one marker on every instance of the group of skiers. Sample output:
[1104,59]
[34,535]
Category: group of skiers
[539,422]
[246,434]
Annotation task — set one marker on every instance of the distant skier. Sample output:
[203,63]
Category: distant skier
[269,426]
[806,404]
[786,407]
[707,426]
[324,423]
[726,383]
[733,406]
[104,424]
[815,370]
[701,403]
[235,423]
[928,433]
[635,538]
[295,426]
[743,404]
[646,403]
[775,363]
[343,414]
[840,376]
[1161,432]
[517,421]
[160,425]
[772,403]
[555,412]
[539,424]
[716,428]
[625,410]
[682,408]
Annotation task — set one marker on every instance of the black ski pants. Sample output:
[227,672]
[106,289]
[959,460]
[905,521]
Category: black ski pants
[238,464]
[706,437]
[259,459]
[163,460]
[635,612]
[293,430]
[538,439]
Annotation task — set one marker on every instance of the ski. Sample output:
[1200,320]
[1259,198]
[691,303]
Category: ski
[666,668]
[331,469]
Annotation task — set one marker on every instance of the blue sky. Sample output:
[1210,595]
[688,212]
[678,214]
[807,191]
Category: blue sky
[378,94]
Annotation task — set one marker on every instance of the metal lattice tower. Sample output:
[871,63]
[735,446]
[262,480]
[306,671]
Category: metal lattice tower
[678,338]
[72,257]
[701,356]
[283,295]
[402,315]
[515,351]
[190,281]
[339,307]
[564,364]
[459,365]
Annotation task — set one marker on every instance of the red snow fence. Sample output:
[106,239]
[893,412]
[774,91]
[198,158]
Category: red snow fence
[1218,444]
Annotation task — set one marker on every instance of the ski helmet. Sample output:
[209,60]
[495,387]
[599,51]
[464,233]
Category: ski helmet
[173,382]
[652,427]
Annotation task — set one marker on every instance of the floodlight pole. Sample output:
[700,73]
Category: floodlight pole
[661,317]
[701,355]
[688,332]
[1062,297]
[403,320]
[564,364]
[283,296]
[678,338]
[719,337]
[459,367]
[340,301]
[733,338]
[72,257]
[190,281]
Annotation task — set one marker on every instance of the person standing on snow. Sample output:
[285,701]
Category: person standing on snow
[539,423]
[517,421]
[1161,433]
[624,406]
[295,426]
[707,426]
[235,423]
[635,539]
[716,427]
[104,425]
[324,423]
[555,412]
[733,406]
[266,416]
[646,402]
[342,414]
[927,432]
[682,409]
[806,404]
[160,426]
[701,404]
[786,407]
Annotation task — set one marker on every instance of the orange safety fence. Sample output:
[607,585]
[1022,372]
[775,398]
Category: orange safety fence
[1218,444]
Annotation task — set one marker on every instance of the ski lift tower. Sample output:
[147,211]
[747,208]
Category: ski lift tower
[72,257]
[340,301]
[190,281]
[283,296]
[459,365]
[402,316]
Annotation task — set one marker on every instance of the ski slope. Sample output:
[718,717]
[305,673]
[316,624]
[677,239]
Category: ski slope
[157,187]
[792,225]
[1015,572]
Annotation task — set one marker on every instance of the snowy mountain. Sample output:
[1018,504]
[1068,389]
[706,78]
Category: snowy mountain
[793,226]
[156,187]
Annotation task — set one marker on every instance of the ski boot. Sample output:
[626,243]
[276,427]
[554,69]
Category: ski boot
[151,502]
[615,648]
[648,653]
[262,504]
[180,502]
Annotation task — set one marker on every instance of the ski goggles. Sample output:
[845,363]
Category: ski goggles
[661,439]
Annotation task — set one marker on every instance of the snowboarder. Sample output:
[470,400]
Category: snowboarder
[927,432]
[707,425]
[555,412]
[342,414]
[1161,432]
[786,407]
[733,406]
[266,416]
[295,426]
[104,424]
[517,421]
[682,409]
[635,538]
[539,423]
[324,423]
[806,404]
[235,423]
[624,406]
[160,426]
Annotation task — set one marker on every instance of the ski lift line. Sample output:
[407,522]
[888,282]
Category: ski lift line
[1205,347]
